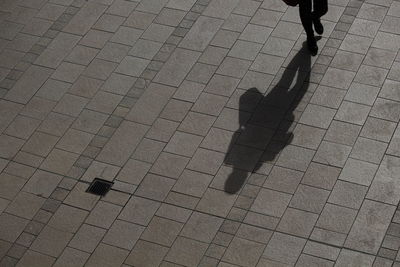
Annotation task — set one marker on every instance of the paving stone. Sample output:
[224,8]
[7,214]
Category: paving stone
[11,227]
[123,234]
[206,161]
[147,254]
[176,68]
[201,227]
[162,231]
[155,187]
[82,55]
[186,252]
[297,222]
[284,180]
[220,8]
[271,202]
[309,199]
[72,257]
[332,154]
[325,115]
[106,255]
[216,202]
[34,259]
[25,205]
[51,241]
[284,248]
[295,157]
[22,127]
[85,18]
[224,39]
[243,252]
[67,219]
[368,150]
[347,60]
[79,198]
[87,238]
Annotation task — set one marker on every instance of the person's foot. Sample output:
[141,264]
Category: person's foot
[312,45]
[319,28]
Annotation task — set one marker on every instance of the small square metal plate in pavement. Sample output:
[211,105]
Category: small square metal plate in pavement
[99,187]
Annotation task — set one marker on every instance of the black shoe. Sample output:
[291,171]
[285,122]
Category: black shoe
[318,26]
[312,45]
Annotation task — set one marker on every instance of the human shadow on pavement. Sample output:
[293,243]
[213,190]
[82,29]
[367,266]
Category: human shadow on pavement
[266,130]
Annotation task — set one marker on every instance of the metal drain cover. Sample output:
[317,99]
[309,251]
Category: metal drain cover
[99,187]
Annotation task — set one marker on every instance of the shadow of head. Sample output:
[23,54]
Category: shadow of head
[263,133]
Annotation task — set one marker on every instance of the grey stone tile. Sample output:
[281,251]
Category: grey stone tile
[338,78]
[348,194]
[34,259]
[146,254]
[121,145]
[103,215]
[309,199]
[371,75]
[201,227]
[68,72]
[366,234]
[328,96]
[294,157]
[148,150]
[306,136]
[234,67]
[342,133]
[71,105]
[271,202]
[361,93]
[387,41]
[297,222]
[11,227]
[174,213]
[353,113]
[354,258]
[201,33]
[10,185]
[209,104]
[267,64]
[347,60]
[192,183]
[359,172]
[283,179]
[378,129]
[51,241]
[85,18]
[162,130]
[132,66]
[284,248]
[337,218]
[384,187]
[123,234]
[254,233]
[186,252]
[82,55]
[73,257]
[245,50]
[197,123]
[36,26]
[155,187]
[126,35]
[108,23]
[177,67]
[85,87]
[390,90]
[317,116]
[364,27]
[101,69]
[225,39]
[59,161]
[22,127]
[68,219]
[118,84]
[139,20]
[138,210]
[28,84]
[74,141]
[253,79]
[170,17]
[162,231]
[87,238]
[95,39]
[169,165]
[307,260]
[216,202]
[386,109]
[38,108]
[79,198]
[201,73]
[368,150]
[332,154]
[157,32]
[372,12]
[90,121]
[152,6]
[133,171]
[107,256]
[243,252]
[9,110]
[356,44]
[379,58]
[10,146]
[220,8]
[328,237]
[25,205]
[213,55]
[145,49]
[236,23]
[104,102]
[287,30]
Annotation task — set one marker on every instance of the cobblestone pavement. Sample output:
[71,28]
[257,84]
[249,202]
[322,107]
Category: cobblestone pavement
[228,144]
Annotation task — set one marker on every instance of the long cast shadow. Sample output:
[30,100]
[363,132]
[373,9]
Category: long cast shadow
[271,120]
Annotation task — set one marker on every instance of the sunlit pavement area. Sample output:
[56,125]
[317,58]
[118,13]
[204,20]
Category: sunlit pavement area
[226,142]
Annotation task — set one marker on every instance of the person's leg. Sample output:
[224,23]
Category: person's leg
[307,21]
[306,16]
[320,8]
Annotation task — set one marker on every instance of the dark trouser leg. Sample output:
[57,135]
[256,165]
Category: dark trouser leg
[320,8]
[305,16]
